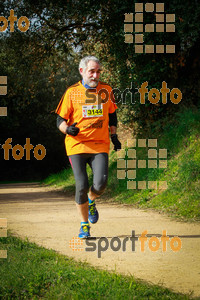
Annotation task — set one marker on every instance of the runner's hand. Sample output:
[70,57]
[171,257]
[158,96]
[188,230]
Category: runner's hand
[72,130]
[115,142]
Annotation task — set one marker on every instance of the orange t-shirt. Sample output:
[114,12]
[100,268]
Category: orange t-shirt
[90,108]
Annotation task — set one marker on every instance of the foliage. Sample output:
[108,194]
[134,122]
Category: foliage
[42,62]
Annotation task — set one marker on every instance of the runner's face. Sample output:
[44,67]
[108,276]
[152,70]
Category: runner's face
[91,73]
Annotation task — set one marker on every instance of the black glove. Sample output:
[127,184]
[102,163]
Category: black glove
[72,130]
[115,142]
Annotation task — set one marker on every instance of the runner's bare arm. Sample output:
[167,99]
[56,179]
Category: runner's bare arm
[113,129]
[62,124]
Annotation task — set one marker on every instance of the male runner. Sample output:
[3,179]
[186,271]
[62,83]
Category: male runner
[85,112]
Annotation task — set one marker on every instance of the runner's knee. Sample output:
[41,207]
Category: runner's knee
[100,185]
[81,193]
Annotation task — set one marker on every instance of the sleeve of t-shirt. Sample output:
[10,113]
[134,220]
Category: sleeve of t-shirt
[65,107]
[112,105]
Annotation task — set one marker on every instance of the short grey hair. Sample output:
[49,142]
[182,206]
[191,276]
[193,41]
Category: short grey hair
[85,60]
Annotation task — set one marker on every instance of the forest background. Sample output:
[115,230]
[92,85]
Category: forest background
[43,61]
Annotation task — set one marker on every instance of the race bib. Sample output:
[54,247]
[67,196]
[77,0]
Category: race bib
[89,111]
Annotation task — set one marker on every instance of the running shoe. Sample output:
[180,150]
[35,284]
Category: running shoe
[93,215]
[84,232]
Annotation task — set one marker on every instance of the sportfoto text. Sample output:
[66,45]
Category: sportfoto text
[22,24]
[153,95]
[39,151]
[116,243]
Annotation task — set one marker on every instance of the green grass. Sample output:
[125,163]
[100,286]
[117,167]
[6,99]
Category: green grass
[17,181]
[33,272]
[63,179]
[181,138]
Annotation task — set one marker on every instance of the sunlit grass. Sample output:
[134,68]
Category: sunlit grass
[33,272]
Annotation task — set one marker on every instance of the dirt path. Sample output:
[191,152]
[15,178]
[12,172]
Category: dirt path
[50,219]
